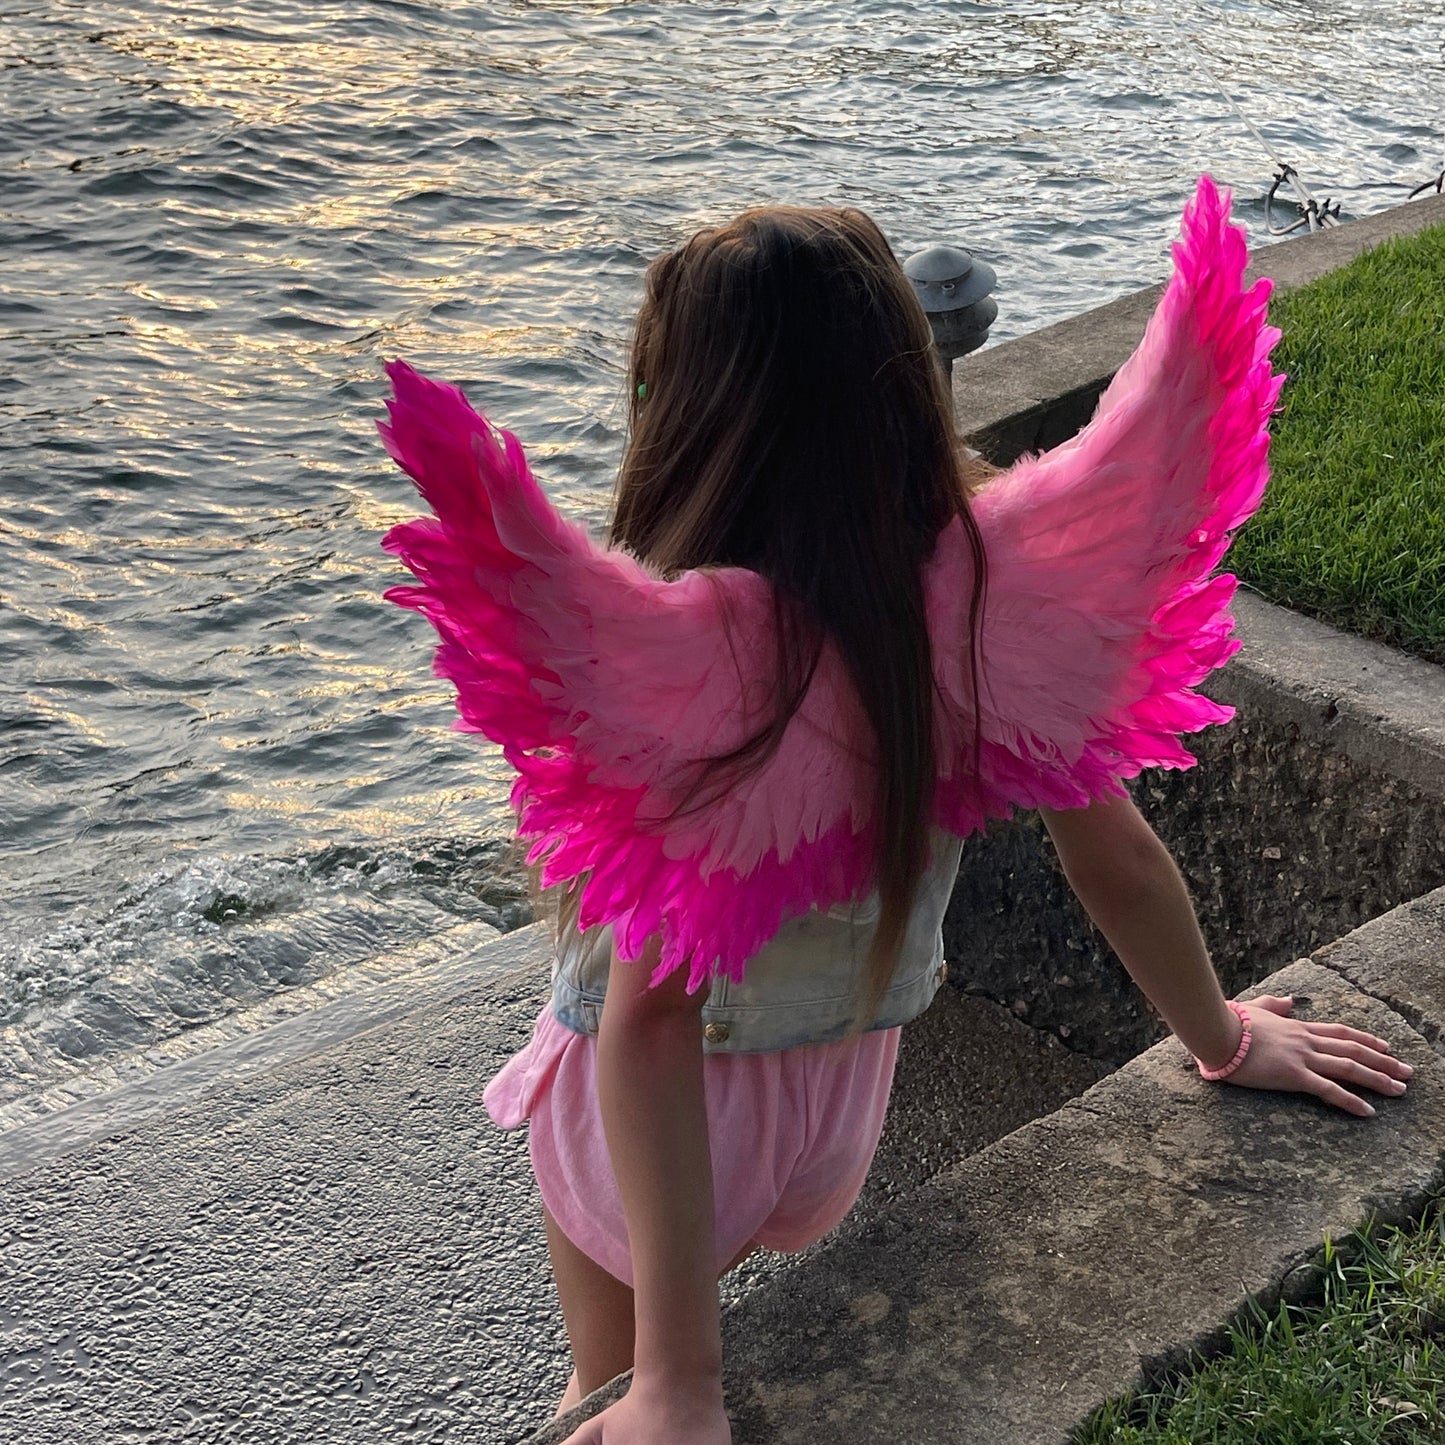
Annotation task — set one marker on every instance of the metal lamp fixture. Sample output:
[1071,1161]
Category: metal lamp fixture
[954,287]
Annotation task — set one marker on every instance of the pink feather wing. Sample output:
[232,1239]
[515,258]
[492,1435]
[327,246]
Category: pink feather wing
[606,686]
[1102,614]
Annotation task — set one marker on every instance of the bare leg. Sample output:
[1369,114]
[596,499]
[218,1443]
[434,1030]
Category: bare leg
[597,1309]
[572,1395]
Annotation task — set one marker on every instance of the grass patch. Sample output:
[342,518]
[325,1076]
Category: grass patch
[1352,529]
[1365,1366]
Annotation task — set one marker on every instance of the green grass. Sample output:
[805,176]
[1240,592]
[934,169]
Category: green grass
[1366,1366]
[1352,529]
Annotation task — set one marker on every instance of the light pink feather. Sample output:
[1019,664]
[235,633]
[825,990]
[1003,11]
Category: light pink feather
[1102,612]
[606,687]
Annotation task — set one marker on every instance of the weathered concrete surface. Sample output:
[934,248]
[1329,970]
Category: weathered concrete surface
[1400,961]
[127,1090]
[968,1073]
[1382,709]
[320,1237]
[1320,806]
[296,1256]
[1038,390]
[1003,1300]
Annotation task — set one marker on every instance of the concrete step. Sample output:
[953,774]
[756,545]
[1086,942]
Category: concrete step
[314,1233]
[123,1090]
[1001,1301]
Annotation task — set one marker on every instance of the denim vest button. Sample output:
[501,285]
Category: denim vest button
[716,1033]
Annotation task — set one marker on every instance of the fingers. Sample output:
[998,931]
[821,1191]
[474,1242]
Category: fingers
[1319,1058]
[1367,1054]
[1343,1031]
[1341,1098]
[1349,1071]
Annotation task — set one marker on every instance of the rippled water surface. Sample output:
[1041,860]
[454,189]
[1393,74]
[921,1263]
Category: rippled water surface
[224,766]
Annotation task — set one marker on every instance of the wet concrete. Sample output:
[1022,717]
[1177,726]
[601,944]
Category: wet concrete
[341,1247]
[305,1253]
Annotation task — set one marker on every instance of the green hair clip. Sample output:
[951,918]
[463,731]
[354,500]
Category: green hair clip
[641,390]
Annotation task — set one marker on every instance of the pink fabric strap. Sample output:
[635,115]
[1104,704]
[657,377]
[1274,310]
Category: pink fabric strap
[1243,1049]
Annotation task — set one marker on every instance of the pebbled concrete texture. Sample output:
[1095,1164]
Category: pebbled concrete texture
[127,1090]
[294,1257]
[1003,1300]
[339,1246]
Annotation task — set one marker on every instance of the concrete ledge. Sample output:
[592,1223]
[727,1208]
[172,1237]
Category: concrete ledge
[314,1234]
[42,1128]
[331,1248]
[1006,1298]
[1037,390]
[1382,708]
[1400,960]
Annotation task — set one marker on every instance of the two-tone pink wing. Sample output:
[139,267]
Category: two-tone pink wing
[1103,612]
[607,687]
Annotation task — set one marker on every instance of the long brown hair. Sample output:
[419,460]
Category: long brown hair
[788,415]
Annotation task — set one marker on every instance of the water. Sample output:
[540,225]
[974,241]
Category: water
[225,769]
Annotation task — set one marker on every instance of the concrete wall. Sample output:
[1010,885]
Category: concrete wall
[1320,806]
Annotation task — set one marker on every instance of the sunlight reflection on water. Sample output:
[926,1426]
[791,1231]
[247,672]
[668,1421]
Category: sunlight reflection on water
[216,225]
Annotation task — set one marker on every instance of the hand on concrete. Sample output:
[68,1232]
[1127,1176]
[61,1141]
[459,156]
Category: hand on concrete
[1316,1058]
[660,1414]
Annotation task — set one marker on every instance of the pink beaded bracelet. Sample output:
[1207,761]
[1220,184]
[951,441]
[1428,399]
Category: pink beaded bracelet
[1243,1049]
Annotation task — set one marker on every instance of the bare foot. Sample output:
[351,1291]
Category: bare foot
[570,1396]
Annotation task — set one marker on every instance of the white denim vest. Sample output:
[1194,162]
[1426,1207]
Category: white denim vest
[801,988]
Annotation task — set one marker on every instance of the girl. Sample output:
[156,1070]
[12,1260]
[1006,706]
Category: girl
[750,737]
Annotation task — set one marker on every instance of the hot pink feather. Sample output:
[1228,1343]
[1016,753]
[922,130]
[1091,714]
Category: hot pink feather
[605,685]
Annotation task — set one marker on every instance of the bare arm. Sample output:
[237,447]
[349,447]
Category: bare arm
[1129,885]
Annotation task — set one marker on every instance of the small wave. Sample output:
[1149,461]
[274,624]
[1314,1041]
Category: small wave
[188,945]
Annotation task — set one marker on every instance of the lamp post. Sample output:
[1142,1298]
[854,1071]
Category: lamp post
[954,287]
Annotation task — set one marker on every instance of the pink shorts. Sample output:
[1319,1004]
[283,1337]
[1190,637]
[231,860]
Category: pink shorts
[792,1135]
